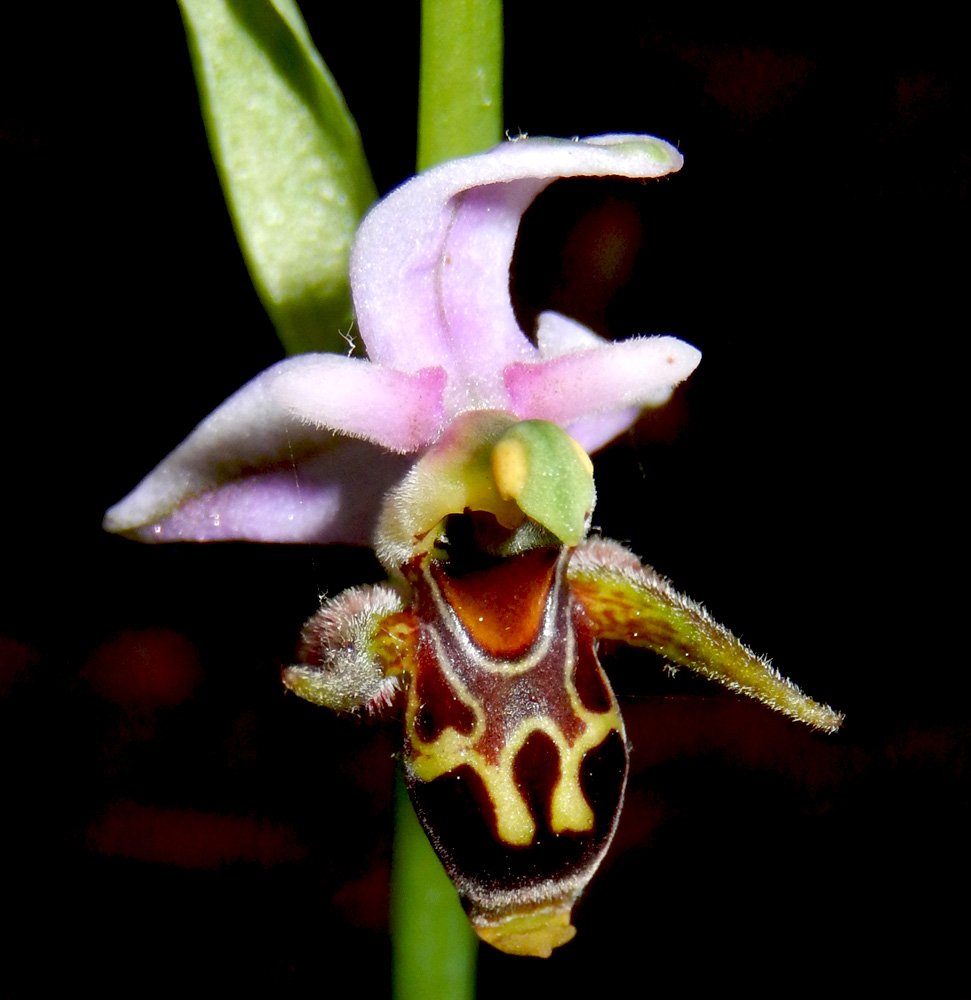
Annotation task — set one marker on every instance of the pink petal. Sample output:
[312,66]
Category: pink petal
[332,497]
[599,380]
[253,470]
[430,265]
[557,335]
[430,275]
[596,431]
[401,411]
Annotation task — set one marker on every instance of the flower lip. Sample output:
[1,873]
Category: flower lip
[301,452]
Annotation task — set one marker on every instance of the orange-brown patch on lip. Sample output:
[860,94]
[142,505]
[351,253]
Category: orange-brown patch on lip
[502,606]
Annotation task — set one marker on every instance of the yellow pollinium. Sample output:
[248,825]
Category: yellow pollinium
[548,475]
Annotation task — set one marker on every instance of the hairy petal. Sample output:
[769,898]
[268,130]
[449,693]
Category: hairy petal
[434,248]
[333,497]
[600,380]
[401,411]
[430,275]
[557,335]
[629,602]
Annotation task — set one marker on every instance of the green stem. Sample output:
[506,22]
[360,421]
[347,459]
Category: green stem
[433,945]
[460,83]
[459,113]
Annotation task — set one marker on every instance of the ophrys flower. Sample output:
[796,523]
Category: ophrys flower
[459,450]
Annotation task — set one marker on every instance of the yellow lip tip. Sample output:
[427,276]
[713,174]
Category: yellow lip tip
[534,933]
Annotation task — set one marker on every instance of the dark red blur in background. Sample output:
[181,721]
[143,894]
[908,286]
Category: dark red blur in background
[173,821]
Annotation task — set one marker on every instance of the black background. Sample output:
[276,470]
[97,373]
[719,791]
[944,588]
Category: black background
[171,820]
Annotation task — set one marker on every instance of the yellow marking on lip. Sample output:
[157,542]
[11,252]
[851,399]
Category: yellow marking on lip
[476,747]
[569,809]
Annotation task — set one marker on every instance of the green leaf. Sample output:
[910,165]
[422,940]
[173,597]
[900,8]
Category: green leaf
[289,158]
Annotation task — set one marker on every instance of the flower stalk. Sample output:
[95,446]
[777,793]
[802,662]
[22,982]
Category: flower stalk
[459,113]
[460,79]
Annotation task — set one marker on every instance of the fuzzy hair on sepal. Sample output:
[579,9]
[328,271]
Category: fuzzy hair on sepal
[631,602]
[339,666]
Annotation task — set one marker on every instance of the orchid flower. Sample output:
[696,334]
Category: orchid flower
[459,449]
[306,450]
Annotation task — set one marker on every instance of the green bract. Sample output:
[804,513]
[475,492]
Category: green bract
[289,158]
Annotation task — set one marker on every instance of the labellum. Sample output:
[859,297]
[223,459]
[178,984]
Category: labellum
[514,748]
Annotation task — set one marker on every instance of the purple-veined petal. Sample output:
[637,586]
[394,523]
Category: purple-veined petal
[430,265]
[253,470]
